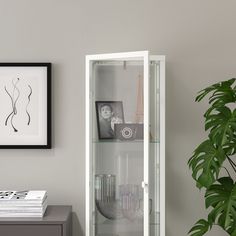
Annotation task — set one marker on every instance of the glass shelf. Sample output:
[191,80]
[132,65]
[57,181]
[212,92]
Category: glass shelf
[119,141]
[122,222]
[118,222]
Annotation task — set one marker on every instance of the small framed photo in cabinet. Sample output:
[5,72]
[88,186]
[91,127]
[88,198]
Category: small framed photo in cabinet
[108,113]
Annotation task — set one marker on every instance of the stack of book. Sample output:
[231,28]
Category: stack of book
[23,203]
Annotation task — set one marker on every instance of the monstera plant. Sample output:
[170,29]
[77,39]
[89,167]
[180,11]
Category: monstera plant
[209,160]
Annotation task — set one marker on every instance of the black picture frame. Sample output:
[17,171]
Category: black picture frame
[105,130]
[42,72]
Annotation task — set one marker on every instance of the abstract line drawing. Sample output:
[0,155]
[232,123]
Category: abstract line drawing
[13,102]
[14,96]
[31,91]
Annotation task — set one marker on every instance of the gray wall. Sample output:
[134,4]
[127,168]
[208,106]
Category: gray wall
[198,38]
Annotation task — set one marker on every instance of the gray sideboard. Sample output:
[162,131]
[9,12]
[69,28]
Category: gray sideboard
[57,221]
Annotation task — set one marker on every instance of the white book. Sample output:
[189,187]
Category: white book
[21,197]
[22,209]
[23,203]
[23,214]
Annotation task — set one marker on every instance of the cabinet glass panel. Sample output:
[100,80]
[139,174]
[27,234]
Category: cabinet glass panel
[117,131]
[154,147]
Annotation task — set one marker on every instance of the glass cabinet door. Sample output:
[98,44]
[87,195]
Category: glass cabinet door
[123,144]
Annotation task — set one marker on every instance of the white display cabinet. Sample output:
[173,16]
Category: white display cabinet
[125,144]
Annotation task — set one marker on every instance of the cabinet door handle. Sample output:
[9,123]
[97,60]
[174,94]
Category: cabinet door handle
[145,186]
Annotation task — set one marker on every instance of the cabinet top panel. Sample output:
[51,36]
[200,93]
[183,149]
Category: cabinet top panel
[133,56]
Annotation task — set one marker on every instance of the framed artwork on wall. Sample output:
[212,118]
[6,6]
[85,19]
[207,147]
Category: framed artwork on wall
[25,103]
[109,113]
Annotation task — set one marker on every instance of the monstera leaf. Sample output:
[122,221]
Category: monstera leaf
[222,198]
[206,163]
[200,228]
[222,125]
[223,93]
[230,147]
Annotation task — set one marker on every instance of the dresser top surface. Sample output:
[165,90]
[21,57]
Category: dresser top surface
[53,215]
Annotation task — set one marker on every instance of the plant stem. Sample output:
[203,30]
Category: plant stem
[227,171]
[231,163]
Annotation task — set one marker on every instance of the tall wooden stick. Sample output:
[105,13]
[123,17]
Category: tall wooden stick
[139,106]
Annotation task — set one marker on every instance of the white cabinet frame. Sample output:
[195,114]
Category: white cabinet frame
[146,58]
